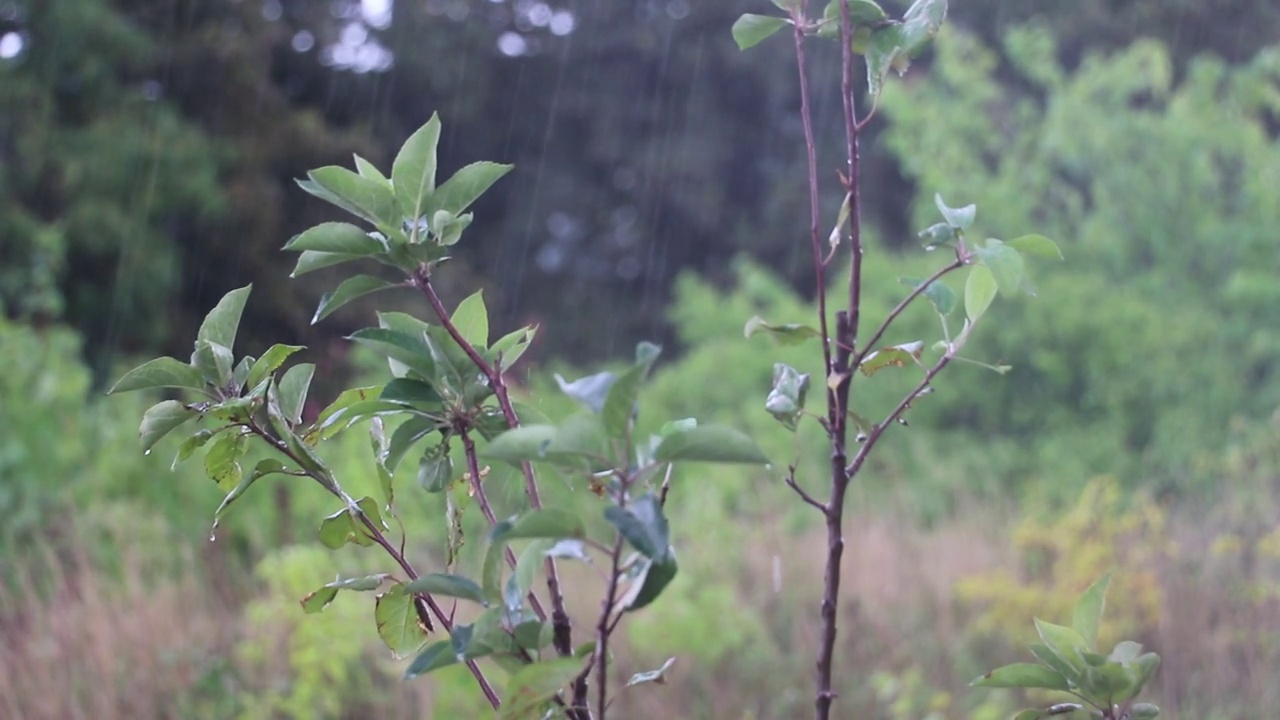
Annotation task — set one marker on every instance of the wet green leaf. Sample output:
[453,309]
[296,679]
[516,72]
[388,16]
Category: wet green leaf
[448,585]
[710,443]
[398,622]
[530,688]
[958,218]
[161,419]
[348,290]
[979,291]
[220,324]
[749,29]
[270,361]
[336,238]
[467,185]
[788,334]
[433,657]
[414,171]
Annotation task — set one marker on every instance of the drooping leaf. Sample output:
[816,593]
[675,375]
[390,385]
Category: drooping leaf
[958,218]
[263,468]
[1023,675]
[414,171]
[435,468]
[336,238]
[161,372]
[530,688]
[1036,245]
[161,419]
[892,356]
[979,291]
[749,29]
[710,443]
[398,623]
[188,447]
[787,334]
[467,184]
[651,578]
[222,460]
[883,52]
[350,289]
[920,23]
[448,585]
[1087,614]
[472,319]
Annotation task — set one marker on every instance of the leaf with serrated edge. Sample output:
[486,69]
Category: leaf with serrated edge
[414,171]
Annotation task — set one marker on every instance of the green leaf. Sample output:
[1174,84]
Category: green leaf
[892,356]
[545,523]
[319,599]
[591,390]
[532,635]
[348,290]
[1006,265]
[448,585]
[510,347]
[958,218]
[620,401]
[788,334]
[336,238]
[1088,610]
[468,184]
[369,200]
[1144,711]
[1031,714]
[409,432]
[264,467]
[311,260]
[411,351]
[292,391]
[529,442]
[222,461]
[1023,675]
[938,294]
[710,443]
[433,657]
[532,558]
[750,30]
[213,361]
[883,52]
[652,578]
[787,396]
[343,527]
[530,688]
[920,23]
[398,623]
[472,319]
[271,360]
[1052,661]
[1065,644]
[334,418]
[196,441]
[161,372]
[643,524]
[658,676]
[369,171]
[435,468]
[414,393]
[979,291]
[162,418]
[220,324]
[938,235]
[414,171]
[1036,245]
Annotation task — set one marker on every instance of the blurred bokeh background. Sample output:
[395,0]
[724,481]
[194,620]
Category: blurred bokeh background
[148,150]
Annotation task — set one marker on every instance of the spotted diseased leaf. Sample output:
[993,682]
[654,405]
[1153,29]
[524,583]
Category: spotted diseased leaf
[161,419]
[398,623]
[320,598]
[892,356]
[787,334]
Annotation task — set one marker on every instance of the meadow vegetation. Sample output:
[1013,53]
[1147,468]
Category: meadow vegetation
[1138,431]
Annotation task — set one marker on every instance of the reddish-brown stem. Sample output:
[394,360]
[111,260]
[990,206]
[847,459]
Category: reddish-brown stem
[604,629]
[424,604]
[869,347]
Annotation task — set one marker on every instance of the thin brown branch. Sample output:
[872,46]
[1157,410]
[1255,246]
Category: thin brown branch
[869,347]
[561,628]
[790,480]
[604,629]
[876,432]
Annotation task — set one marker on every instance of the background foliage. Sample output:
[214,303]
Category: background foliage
[147,151]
